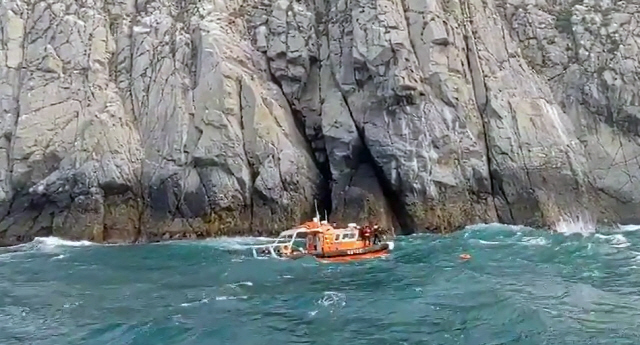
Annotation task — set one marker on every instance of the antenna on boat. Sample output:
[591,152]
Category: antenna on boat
[326,218]
[315,202]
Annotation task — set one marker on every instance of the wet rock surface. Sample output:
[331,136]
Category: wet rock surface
[133,121]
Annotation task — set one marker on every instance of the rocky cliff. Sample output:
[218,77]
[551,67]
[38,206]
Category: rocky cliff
[128,120]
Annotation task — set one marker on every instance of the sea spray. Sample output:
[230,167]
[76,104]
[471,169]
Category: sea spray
[581,223]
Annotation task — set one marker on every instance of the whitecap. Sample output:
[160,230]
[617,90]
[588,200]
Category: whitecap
[56,241]
[615,238]
[535,241]
[44,245]
[627,227]
[332,298]
[48,244]
[204,300]
[621,245]
[224,298]
[247,283]
[488,242]
[71,304]
[234,243]
[485,226]
[225,243]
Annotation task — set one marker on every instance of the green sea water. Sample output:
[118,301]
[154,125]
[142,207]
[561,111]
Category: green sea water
[522,286]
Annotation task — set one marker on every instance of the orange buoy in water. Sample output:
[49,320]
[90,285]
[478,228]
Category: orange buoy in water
[465,256]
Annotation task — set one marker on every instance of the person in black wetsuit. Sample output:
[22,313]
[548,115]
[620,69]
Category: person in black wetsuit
[376,234]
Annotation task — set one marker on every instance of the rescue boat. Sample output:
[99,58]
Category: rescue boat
[323,242]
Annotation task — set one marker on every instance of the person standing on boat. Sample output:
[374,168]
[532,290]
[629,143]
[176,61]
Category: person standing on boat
[366,234]
[376,234]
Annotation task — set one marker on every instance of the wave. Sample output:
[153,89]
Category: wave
[50,245]
[44,244]
[497,234]
[487,234]
[225,243]
[627,227]
[497,226]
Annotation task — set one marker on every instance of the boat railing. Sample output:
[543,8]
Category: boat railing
[276,245]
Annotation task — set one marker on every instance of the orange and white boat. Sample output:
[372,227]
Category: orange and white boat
[323,242]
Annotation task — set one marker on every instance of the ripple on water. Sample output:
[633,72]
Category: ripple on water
[521,286]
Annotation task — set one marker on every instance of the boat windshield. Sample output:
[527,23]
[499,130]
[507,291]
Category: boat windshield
[289,235]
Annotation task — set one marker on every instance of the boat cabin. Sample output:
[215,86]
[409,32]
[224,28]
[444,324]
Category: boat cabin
[313,238]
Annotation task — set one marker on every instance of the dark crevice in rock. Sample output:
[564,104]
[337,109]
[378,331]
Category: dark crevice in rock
[143,205]
[140,213]
[5,209]
[250,162]
[324,199]
[110,188]
[399,212]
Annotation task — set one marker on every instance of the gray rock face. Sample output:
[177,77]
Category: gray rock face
[130,120]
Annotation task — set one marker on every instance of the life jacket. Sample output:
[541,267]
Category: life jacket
[367,231]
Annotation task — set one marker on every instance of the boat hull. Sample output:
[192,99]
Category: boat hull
[355,257]
[346,255]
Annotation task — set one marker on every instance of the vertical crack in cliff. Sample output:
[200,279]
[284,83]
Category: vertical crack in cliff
[481,100]
[393,201]
[21,71]
[323,165]
[324,186]
[344,20]
[250,162]
[142,195]
[325,172]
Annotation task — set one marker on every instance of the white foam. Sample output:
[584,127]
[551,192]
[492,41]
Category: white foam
[71,304]
[247,283]
[535,241]
[484,226]
[627,228]
[225,298]
[332,298]
[616,240]
[51,242]
[46,245]
[231,243]
[488,242]
[204,300]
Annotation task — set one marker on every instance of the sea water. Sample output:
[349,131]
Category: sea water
[521,286]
